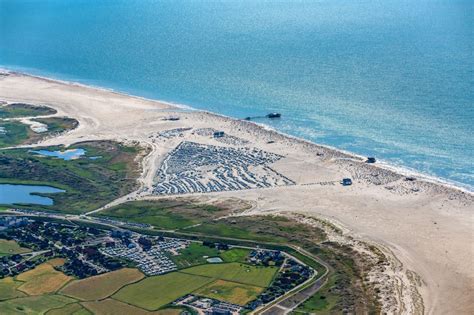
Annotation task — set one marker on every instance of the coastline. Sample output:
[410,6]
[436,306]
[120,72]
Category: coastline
[425,225]
[382,164]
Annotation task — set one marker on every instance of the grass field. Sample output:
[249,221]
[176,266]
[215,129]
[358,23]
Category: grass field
[89,184]
[231,292]
[8,288]
[235,255]
[101,286]
[10,247]
[42,279]
[193,255]
[154,292]
[69,309]
[114,307]
[25,110]
[246,274]
[33,304]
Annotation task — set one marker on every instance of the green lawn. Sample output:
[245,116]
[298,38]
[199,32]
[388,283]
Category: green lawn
[193,255]
[154,292]
[253,275]
[89,184]
[321,302]
[33,304]
[11,247]
[235,255]
[24,110]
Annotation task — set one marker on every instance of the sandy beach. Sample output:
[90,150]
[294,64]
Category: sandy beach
[427,228]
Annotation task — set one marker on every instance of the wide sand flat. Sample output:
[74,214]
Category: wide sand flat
[429,227]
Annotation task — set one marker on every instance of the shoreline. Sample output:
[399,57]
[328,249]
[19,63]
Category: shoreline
[381,164]
[425,224]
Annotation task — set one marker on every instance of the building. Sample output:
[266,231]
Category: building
[218,134]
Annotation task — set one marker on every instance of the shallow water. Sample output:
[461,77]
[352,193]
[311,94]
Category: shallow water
[64,155]
[22,194]
[390,79]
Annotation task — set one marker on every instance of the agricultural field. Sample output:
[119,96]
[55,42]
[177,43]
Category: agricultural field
[8,288]
[101,286]
[113,307]
[231,292]
[69,309]
[24,110]
[154,292]
[253,275]
[89,183]
[42,279]
[33,304]
[193,255]
[11,247]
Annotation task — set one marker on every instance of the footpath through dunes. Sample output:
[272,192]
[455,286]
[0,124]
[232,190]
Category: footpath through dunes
[425,224]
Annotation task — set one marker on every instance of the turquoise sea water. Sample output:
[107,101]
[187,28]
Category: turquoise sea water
[390,79]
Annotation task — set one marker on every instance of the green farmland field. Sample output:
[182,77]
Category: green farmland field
[154,292]
[246,274]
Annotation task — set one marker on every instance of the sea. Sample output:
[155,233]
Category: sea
[383,78]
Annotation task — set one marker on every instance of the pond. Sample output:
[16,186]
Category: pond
[22,194]
[65,155]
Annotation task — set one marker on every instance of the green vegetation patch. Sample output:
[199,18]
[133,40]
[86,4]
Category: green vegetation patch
[254,275]
[154,292]
[193,255]
[323,301]
[69,309]
[13,133]
[33,304]
[232,292]
[165,214]
[89,184]
[101,286]
[58,124]
[10,247]
[235,255]
[8,288]
[25,110]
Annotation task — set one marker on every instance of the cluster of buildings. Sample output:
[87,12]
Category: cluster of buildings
[151,255]
[208,306]
[12,222]
[266,257]
[199,168]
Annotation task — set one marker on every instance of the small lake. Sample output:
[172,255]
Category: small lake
[22,194]
[65,155]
